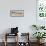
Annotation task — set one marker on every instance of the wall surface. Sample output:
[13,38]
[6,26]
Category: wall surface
[24,23]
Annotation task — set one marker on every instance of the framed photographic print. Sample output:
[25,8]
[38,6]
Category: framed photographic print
[17,13]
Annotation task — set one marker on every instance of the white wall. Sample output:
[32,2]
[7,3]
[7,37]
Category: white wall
[24,23]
